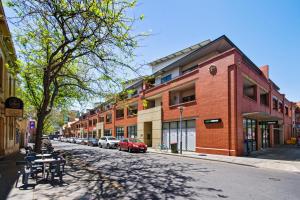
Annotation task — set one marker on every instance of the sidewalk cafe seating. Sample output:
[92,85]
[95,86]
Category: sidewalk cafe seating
[28,171]
[56,169]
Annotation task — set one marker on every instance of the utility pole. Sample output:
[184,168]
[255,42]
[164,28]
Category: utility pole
[181,111]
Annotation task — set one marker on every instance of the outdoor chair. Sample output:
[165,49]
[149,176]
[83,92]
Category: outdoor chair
[36,168]
[56,169]
[26,172]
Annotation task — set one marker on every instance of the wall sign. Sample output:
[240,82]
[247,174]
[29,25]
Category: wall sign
[212,121]
[32,124]
[14,107]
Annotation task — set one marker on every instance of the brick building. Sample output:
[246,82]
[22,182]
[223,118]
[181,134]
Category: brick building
[230,106]
[297,120]
[9,137]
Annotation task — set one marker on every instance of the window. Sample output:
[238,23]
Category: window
[120,113]
[11,128]
[10,86]
[189,69]
[108,118]
[166,78]
[249,89]
[280,107]
[90,122]
[119,132]
[286,110]
[188,98]
[101,119]
[264,98]
[275,103]
[132,131]
[107,132]
[94,122]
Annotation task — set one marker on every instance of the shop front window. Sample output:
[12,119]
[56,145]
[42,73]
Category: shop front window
[249,127]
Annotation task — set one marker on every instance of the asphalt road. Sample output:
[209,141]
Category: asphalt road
[112,174]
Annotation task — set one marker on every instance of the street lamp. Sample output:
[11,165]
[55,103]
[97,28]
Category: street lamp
[181,111]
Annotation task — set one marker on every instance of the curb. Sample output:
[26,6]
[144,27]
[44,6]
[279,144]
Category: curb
[228,162]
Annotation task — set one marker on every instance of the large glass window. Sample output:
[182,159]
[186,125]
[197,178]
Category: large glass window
[166,78]
[250,135]
[119,133]
[265,135]
[132,131]
[171,134]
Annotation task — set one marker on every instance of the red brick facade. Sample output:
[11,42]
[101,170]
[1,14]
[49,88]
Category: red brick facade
[218,95]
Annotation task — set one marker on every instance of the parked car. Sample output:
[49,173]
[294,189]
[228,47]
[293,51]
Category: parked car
[79,140]
[85,141]
[108,142]
[92,142]
[132,144]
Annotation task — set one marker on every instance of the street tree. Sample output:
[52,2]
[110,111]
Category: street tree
[71,50]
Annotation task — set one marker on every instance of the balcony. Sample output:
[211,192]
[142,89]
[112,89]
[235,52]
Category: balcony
[184,95]
[132,110]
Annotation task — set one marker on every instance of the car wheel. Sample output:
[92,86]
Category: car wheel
[120,148]
[100,146]
[129,150]
[108,146]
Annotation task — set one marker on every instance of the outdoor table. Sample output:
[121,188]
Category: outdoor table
[44,162]
[44,155]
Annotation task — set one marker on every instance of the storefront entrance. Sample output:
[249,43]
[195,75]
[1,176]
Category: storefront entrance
[171,134]
[265,135]
[250,133]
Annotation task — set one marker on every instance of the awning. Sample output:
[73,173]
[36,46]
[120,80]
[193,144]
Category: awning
[261,116]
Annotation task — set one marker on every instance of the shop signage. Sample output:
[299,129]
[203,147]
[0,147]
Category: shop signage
[14,107]
[32,124]
[212,121]
[272,122]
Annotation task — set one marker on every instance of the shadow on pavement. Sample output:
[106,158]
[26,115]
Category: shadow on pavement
[8,173]
[130,176]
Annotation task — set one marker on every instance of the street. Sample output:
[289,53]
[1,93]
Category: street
[95,173]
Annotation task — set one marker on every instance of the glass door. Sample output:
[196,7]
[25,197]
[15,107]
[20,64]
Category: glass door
[265,135]
[249,127]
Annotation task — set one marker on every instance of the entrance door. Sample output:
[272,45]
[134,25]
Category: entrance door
[276,136]
[148,133]
[249,126]
[265,135]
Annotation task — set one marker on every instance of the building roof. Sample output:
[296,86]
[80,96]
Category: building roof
[179,53]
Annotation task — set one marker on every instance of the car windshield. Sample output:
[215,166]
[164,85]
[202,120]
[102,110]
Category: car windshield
[111,138]
[134,140]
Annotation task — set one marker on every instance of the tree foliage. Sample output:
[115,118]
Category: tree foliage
[71,50]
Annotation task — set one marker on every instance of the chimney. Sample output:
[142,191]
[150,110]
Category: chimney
[265,70]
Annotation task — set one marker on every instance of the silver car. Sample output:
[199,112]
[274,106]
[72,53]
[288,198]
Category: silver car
[108,142]
[78,140]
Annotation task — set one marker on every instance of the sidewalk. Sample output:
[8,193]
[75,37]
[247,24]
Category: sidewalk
[8,173]
[290,166]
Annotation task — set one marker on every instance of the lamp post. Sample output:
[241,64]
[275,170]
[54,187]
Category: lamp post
[180,126]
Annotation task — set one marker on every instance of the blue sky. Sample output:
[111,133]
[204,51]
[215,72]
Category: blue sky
[268,32]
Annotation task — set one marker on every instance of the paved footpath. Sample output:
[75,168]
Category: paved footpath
[94,173]
[286,158]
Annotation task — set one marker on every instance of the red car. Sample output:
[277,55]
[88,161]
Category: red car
[132,144]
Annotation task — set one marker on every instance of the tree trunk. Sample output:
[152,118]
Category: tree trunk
[39,132]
